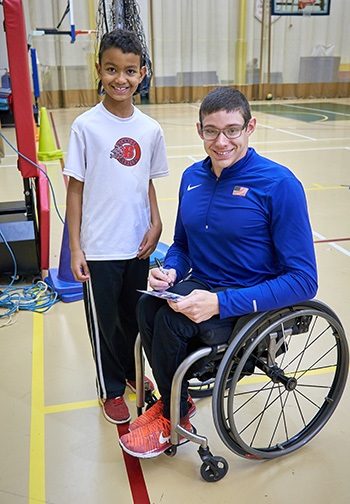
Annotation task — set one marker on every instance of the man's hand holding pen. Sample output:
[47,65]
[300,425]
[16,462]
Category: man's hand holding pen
[198,306]
[160,278]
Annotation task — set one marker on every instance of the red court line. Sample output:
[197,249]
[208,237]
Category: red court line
[331,240]
[135,475]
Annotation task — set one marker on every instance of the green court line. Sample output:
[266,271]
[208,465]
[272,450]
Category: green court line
[337,109]
[306,112]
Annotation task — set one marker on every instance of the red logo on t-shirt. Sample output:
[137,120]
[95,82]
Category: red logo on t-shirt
[126,151]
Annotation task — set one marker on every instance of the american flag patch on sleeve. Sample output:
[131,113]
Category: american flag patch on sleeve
[240,191]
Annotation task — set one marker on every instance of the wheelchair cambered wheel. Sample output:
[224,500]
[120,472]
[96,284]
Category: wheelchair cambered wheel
[199,389]
[288,372]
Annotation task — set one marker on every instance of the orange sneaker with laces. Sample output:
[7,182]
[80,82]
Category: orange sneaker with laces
[157,409]
[152,439]
[148,416]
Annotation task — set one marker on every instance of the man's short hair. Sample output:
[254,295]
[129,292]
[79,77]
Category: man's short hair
[225,98]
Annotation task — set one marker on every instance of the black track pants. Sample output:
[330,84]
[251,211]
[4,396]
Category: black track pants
[165,336]
[110,299]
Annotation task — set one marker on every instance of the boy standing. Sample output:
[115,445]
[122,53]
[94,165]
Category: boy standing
[113,219]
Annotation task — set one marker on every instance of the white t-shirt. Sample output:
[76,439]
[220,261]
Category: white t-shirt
[115,158]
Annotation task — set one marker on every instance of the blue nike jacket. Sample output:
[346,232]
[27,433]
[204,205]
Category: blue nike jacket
[248,232]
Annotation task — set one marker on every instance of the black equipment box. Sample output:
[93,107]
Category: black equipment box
[20,233]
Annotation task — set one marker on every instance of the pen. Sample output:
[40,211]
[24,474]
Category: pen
[162,270]
[159,264]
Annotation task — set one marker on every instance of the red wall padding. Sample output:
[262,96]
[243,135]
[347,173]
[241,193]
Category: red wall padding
[17,51]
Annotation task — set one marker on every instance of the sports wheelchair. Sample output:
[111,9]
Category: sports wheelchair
[274,384]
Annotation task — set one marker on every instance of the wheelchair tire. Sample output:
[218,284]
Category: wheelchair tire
[200,389]
[277,401]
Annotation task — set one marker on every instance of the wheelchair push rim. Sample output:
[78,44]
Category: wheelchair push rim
[277,403]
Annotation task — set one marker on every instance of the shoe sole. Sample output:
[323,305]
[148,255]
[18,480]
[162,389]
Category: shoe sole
[112,420]
[192,411]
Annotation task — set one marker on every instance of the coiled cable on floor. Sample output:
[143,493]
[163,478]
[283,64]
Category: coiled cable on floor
[38,297]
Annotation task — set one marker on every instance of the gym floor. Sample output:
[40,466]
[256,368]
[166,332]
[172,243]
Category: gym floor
[57,448]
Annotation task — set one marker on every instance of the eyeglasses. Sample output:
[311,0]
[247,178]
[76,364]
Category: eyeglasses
[230,133]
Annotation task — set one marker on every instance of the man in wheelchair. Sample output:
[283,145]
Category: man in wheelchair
[242,244]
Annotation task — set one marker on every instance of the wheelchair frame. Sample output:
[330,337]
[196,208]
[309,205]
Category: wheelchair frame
[255,363]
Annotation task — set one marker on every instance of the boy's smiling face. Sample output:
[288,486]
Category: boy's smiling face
[120,74]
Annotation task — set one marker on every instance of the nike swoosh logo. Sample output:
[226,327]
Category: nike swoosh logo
[163,439]
[189,187]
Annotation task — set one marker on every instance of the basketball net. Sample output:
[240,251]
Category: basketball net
[124,14]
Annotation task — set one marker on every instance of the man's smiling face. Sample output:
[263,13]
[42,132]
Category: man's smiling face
[224,152]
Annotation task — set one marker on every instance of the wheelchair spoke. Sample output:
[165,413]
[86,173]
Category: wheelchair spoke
[313,366]
[300,409]
[282,417]
[261,416]
[283,387]
[302,353]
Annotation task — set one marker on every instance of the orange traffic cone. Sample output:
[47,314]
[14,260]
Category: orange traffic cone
[36,130]
[47,147]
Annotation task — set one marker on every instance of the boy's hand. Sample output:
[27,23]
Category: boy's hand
[149,242]
[198,306]
[79,266]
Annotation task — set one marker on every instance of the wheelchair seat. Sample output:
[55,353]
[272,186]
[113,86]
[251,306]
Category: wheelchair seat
[274,384]
[201,375]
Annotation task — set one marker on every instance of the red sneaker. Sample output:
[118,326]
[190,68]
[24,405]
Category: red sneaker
[157,409]
[148,384]
[152,439]
[115,410]
[192,406]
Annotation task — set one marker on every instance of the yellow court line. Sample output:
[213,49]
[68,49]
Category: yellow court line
[324,118]
[37,491]
[318,187]
[91,403]
[37,424]
[59,408]
[324,188]
[262,379]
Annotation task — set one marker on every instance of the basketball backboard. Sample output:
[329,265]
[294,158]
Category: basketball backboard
[300,7]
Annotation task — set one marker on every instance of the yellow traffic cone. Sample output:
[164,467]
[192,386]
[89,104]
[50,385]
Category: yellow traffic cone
[47,147]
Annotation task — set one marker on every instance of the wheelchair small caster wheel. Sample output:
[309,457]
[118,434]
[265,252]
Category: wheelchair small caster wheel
[214,469]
